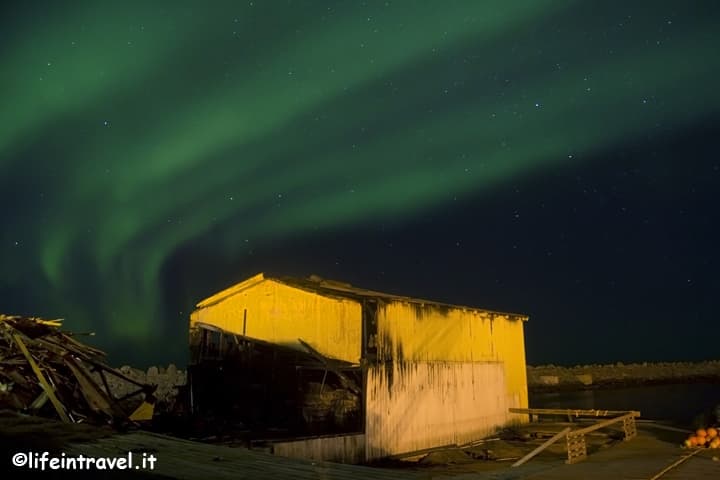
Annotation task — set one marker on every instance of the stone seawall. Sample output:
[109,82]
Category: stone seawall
[551,377]
[167,380]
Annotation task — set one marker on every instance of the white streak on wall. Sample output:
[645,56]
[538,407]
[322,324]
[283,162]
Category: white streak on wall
[416,405]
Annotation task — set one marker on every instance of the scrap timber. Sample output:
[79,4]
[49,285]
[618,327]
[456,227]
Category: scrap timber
[44,371]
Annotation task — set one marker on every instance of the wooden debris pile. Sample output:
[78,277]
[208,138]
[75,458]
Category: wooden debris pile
[45,371]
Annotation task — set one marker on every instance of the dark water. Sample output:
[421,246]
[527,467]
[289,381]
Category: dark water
[680,404]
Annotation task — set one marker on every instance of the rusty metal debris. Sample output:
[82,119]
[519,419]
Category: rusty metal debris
[45,371]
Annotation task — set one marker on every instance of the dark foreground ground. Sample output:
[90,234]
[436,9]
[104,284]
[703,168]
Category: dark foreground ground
[24,434]
[655,448]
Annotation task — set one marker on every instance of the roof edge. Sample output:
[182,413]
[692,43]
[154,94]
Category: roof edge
[238,287]
[331,288]
[334,288]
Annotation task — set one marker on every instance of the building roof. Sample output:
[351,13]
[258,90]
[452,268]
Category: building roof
[334,288]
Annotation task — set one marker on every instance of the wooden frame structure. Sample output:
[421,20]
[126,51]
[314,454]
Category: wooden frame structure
[575,439]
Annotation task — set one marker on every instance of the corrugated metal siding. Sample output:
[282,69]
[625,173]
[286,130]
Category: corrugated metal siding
[416,405]
[411,332]
[341,449]
[282,314]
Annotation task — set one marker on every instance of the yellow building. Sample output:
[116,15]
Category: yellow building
[397,374]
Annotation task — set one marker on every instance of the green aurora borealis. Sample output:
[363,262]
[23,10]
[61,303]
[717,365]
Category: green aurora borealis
[131,129]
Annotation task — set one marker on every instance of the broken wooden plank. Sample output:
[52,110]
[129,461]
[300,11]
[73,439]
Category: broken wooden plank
[59,408]
[414,453]
[144,412]
[108,390]
[38,403]
[97,366]
[542,447]
[94,396]
[675,464]
[51,323]
[330,365]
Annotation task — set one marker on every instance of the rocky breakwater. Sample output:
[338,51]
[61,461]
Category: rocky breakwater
[552,377]
[168,380]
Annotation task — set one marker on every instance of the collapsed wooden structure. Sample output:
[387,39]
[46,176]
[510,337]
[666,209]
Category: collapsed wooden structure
[271,389]
[45,371]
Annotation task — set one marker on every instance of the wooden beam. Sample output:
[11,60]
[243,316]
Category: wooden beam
[573,412]
[542,447]
[414,453]
[675,464]
[96,399]
[605,423]
[101,372]
[97,366]
[38,403]
[59,408]
[330,365]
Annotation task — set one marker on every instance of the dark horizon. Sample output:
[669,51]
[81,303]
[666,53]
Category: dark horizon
[553,159]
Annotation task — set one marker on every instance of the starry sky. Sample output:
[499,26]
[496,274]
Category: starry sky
[550,157]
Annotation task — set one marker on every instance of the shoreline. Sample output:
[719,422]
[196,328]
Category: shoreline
[549,378]
[620,384]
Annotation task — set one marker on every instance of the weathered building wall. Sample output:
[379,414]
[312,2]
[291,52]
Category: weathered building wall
[509,341]
[419,404]
[445,376]
[281,314]
[411,332]
[341,449]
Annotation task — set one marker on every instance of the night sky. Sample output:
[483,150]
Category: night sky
[548,157]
